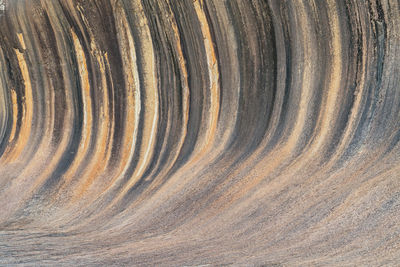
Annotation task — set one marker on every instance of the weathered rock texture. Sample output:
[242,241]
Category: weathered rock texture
[182,132]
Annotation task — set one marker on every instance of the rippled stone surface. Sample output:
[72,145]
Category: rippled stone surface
[199,132]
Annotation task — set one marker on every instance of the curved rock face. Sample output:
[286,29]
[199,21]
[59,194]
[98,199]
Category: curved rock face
[144,132]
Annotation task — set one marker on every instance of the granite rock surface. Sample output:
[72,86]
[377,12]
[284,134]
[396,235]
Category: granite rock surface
[200,132]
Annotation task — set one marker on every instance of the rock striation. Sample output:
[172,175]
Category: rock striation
[200,132]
